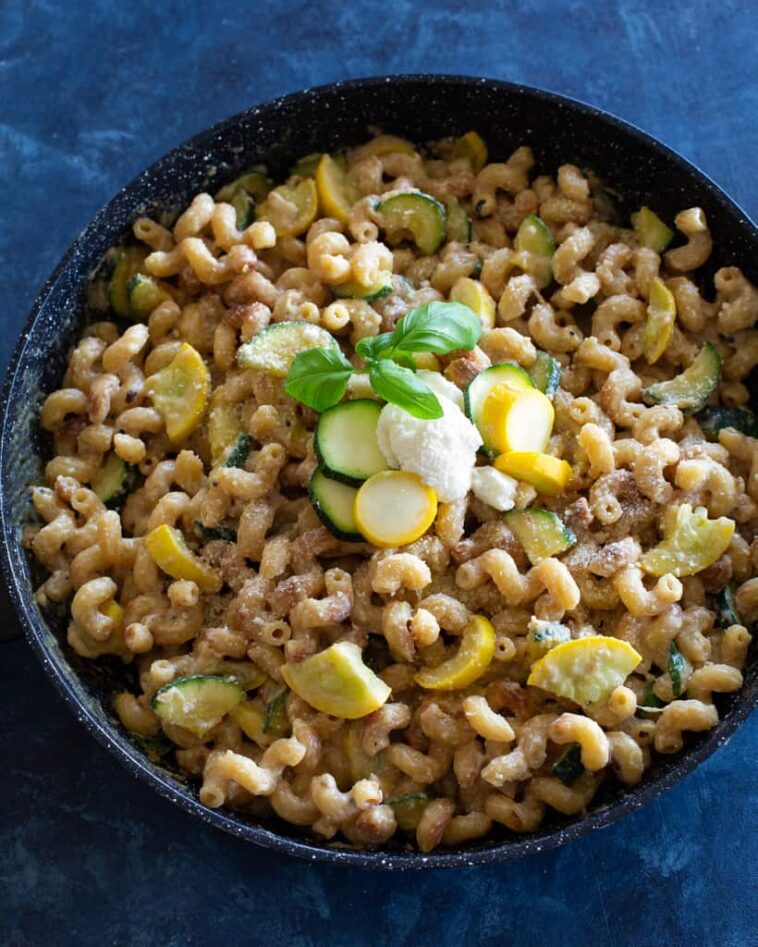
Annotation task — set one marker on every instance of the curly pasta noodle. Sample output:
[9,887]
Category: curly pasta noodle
[268,585]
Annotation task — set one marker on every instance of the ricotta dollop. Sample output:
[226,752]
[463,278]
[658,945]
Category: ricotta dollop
[442,452]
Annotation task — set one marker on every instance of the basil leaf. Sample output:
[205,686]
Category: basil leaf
[318,377]
[402,387]
[374,346]
[676,666]
[436,327]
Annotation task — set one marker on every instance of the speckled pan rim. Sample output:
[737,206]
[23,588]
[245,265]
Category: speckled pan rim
[108,736]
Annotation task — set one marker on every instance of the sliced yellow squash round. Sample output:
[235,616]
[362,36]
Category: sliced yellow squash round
[471,146]
[336,192]
[585,670]
[394,508]
[691,543]
[169,551]
[383,145]
[472,659]
[516,420]
[661,315]
[290,209]
[180,392]
[545,473]
[473,294]
[337,682]
[224,427]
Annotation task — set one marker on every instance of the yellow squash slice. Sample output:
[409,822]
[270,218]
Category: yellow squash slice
[383,145]
[180,392]
[472,659]
[547,474]
[585,670]
[516,420]
[691,543]
[337,682]
[471,146]
[169,551]
[290,209]
[661,316]
[336,192]
[394,508]
[473,294]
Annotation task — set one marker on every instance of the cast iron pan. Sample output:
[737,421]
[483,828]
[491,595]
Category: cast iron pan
[421,108]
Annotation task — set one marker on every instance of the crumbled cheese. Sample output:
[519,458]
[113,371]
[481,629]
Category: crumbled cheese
[442,387]
[494,488]
[441,451]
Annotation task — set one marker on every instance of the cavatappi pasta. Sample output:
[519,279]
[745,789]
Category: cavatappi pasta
[575,612]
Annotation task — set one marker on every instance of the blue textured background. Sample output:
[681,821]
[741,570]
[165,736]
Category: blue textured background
[90,92]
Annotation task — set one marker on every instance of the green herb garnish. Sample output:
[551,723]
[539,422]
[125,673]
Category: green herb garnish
[319,377]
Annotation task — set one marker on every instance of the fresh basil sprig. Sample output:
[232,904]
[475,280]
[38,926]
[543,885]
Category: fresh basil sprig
[403,387]
[436,327]
[319,377]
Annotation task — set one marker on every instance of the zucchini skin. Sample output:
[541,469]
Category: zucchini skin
[238,454]
[321,454]
[715,417]
[568,767]
[726,607]
[323,515]
[210,533]
[703,375]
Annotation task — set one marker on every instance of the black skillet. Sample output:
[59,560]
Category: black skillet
[421,108]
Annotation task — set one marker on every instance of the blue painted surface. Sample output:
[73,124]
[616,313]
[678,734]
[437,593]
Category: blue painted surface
[91,93]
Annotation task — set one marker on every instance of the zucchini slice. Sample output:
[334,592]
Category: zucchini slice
[690,390]
[420,214]
[546,373]
[506,373]
[726,608]
[346,443]
[715,417]
[113,481]
[544,635]
[370,294]
[458,223]
[227,534]
[145,294]
[244,193]
[197,703]
[128,262]
[276,721]
[247,674]
[535,246]
[650,230]
[274,348]
[541,532]
[409,808]
[568,767]
[238,453]
[333,502]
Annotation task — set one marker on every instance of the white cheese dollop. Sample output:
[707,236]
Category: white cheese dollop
[494,488]
[442,387]
[442,452]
